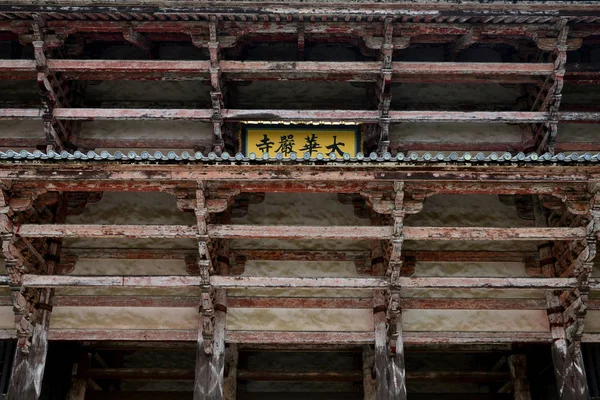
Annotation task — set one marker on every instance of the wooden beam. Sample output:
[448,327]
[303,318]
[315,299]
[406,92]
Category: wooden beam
[448,233]
[299,232]
[303,302]
[236,282]
[301,376]
[50,174]
[107,231]
[517,364]
[90,114]
[470,256]
[291,338]
[300,302]
[128,253]
[474,338]
[145,374]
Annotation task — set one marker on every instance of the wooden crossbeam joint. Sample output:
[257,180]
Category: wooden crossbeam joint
[136,38]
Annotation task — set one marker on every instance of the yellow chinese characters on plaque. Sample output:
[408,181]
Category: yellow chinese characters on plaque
[300,139]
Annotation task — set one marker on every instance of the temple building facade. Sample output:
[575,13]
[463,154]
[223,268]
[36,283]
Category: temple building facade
[324,199]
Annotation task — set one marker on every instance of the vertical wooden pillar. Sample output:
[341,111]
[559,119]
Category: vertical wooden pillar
[28,366]
[210,367]
[398,373]
[230,381]
[382,361]
[369,387]
[517,364]
[79,381]
[566,350]
[28,369]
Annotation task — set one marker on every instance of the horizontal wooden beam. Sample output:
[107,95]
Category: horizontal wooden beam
[48,174]
[300,376]
[237,282]
[89,114]
[304,338]
[291,376]
[136,335]
[300,255]
[301,302]
[471,233]
[470,256]
[125,301]
[474,338]
[128,253]
[21,113]
[348,376]
[473,304]
[263,337]
[274,70]
[187,281]
[299,232]
[356,116]
[107,231]
[147,374]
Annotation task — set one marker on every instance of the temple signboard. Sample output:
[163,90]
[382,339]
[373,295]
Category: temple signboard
[301,139]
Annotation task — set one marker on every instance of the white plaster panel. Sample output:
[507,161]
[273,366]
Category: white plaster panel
[302,95]
[426,93]
[471,269]
[466,210]
[7,318]
[133,208]
[177,129]
[176,91]
[322,209]
[22,129]
[294,319]
[121,291]
[446,132]
[475,320]
[124,318]
[592,321]
[578,133]
[295,269]
[129,267]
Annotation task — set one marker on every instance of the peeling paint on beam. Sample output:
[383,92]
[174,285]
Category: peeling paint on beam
[193,281]
[473,304]
[123,335]
[300,255]
[471,68]
[127,254]
[300,376]
[231,282]
[50,173]
[460,338]
[106,231]
[125,301]
[291,338]
[469,256]
[300,232]
[448,233]
[131,114]
[298,302]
